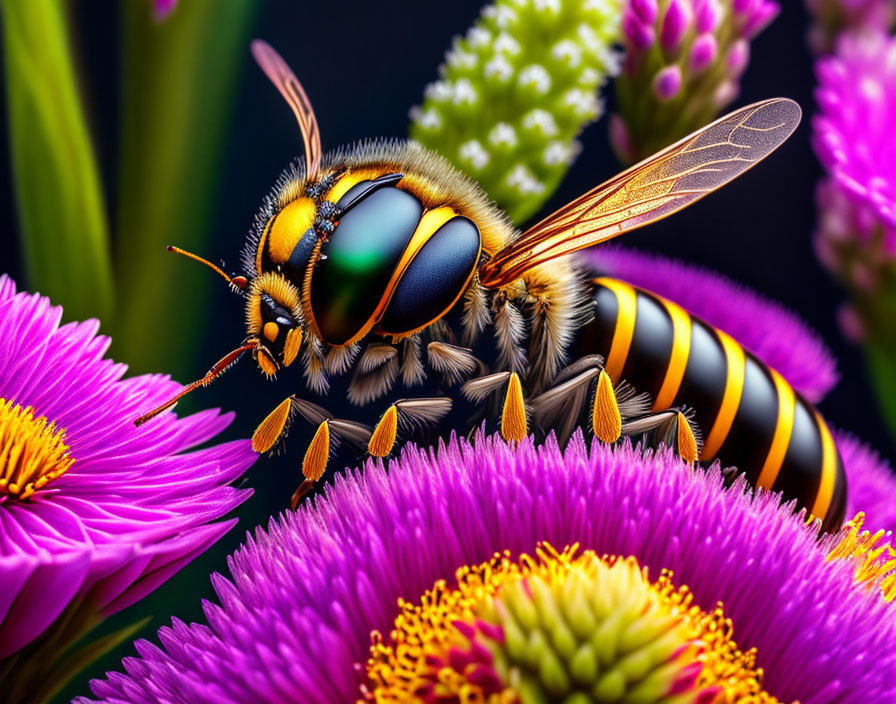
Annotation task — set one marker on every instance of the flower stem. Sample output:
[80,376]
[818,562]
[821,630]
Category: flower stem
[179,80]
[58,191]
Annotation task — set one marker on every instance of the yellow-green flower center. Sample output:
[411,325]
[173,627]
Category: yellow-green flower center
[32,451]
[560,628]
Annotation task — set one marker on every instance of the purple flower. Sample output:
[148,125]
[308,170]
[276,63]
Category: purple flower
[836,17]
[774,334]
[683,66]
[853,137]
[872,484]
[305,595]
[94,511]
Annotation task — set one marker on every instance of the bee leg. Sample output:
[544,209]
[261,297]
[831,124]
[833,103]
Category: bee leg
[453,362]
[561,406]
[556,310]
[314,462]
[374,374]
[672,427]
[514,415]
[330,433]
[514,424]
[510,330]
[383,438]
[606,419]
[272,431]
[407,414]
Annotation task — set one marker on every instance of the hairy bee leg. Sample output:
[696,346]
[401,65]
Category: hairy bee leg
[514,424]
[315,461]
[383,438]
[671,427]
[274,428]
[606,419]
[510,330]
[686,444]
[409,414]
[453,362]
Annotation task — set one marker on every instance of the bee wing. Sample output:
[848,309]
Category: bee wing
[281,75]
[659,186]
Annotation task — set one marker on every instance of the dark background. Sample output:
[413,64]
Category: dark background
[364,65]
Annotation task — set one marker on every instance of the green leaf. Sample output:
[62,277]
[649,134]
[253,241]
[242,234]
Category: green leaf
[71,664]
[179,80]
[882,366]
[58,191]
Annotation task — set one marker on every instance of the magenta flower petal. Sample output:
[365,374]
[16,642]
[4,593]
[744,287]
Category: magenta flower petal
[296,615]
[774,334]
[834,18]
[872,484]
[134,506]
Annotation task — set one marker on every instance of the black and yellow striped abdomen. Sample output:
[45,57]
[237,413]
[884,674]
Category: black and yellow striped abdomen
[750,417]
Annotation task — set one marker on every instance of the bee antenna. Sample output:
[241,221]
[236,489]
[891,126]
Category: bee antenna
[238,282]
[221,366]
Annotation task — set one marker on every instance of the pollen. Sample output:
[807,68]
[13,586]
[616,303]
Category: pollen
[32,451]
[560,626]
[874,558]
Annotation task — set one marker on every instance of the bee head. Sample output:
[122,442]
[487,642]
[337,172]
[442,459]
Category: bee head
[274,320]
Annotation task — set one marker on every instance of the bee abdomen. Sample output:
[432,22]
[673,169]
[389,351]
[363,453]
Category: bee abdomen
[751,418]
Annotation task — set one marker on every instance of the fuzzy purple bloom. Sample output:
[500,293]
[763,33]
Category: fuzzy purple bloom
[872,484]
[774,334]
[853,137]
[690,53]
[304,596]
[853,131]
[836,17]
[133,507]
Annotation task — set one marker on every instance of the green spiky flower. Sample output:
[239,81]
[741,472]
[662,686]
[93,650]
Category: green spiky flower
[516,91]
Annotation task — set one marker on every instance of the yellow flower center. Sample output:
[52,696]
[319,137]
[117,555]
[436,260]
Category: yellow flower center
[32,451]
[875,561]
[560,627]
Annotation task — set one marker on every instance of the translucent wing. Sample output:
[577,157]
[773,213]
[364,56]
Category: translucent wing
[659,186]
[281,75]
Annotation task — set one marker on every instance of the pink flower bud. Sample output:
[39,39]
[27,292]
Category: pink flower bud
[703,52]
[709,14]
[640,35]
[675,24]
[760,17]
[645,9]
[620,138]
[850,323]
[725,94]
[667,83]
[738,57]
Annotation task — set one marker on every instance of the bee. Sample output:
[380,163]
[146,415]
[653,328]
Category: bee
[381,260]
